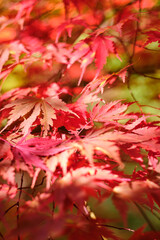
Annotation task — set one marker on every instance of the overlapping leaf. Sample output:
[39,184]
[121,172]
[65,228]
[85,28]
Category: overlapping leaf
[30,108]
[68,26]
[96,47]
[109,112]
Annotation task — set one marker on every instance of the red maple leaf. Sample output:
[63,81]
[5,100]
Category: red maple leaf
[7,171]
[98,47]
[109,112]
[153,36]
[102,141]
[68,26]
[34,107]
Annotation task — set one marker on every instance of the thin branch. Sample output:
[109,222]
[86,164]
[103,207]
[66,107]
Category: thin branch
[156,78]
[148,49]
[86,217]
[145,75]
[132,55]
[1,235]
[118,228]
[106,225]
[132,94]
[81,211]
[18,203]
[37,185]
[56,77]
[120,8]
[145,217]
[143,105]
[53,208]
[154,213]
[137,30]
[6,211]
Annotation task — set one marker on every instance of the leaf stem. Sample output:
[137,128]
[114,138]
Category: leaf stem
[145,217]
[18,203]
[154,213]
[1,235]
[37,185]
[8,209]
[118,228]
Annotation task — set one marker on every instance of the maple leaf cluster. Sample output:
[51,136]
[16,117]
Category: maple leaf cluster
[61,143]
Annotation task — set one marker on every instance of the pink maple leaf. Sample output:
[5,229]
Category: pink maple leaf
[109,112]
[34,106]
[95,47]
[68,26]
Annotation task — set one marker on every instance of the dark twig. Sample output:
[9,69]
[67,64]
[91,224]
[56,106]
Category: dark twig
[18,203]
[137,30]
[143,74]
[145,217]
[1,235]
[132,94]
[81,211]
[6,211]
[106,225]
[118,228]
[53,208]
[155,78]
[132,56]
[153,212]
[56,77]
[37,185]
[87,217]
[143,105]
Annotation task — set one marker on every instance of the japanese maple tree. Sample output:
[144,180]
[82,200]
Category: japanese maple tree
[65,146]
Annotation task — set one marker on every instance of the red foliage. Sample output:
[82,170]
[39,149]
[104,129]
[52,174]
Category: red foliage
[62,144]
